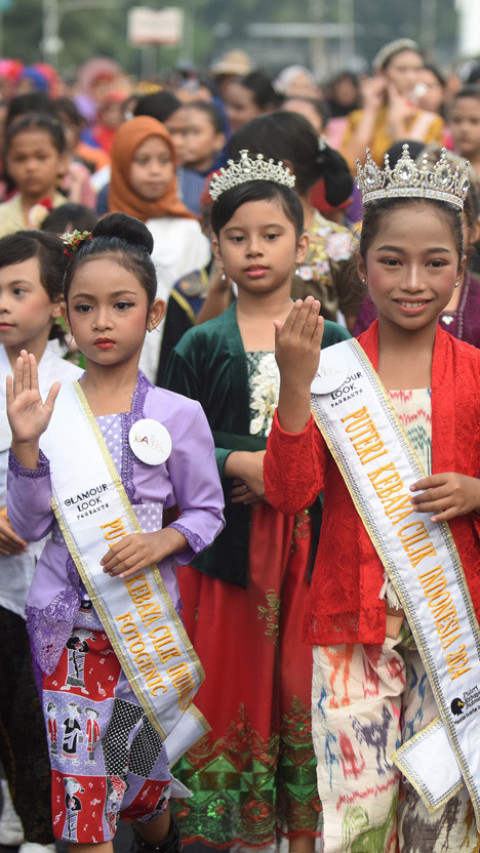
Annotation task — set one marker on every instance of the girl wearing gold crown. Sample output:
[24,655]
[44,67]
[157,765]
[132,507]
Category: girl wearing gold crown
[254,774]
[394,603]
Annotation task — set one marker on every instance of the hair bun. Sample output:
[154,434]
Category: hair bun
[126,228]
[336,175]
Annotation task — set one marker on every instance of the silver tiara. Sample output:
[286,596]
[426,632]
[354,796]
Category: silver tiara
[409,180]
[248,169]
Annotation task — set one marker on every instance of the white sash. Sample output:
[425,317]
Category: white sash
[378,464]
[137,613]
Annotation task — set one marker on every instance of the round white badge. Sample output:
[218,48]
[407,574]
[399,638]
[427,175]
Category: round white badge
[150,441]
[331,374]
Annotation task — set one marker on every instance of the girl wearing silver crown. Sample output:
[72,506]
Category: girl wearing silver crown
[395,598]
[254,773]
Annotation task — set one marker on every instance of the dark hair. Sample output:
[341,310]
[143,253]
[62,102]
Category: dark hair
[415,148]
[70,217]
[128,241]
[226,205]
[466,92]
[471,209]
[261,88]
[290,137]
[37,121]
[428,66]
[474,74]
[342,75]
[67,107]
[375,212]
[159,105]
[48,248]
[210,110]
[320,107]
[52,261]
[29,102]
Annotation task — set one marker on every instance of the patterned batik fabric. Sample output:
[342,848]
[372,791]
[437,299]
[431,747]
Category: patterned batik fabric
[367,700]
[107,760]
[253,775]
[414,411]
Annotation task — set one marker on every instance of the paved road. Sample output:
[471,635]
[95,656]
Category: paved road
[123,842]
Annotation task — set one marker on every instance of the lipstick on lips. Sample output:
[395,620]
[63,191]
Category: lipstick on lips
[104,343]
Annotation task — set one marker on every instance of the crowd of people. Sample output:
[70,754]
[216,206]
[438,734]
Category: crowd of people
[178,529]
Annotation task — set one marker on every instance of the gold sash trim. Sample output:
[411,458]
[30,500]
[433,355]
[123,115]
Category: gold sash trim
[137,613]
[378,464]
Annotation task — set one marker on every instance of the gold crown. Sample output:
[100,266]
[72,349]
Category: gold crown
[408,180]
[248,169]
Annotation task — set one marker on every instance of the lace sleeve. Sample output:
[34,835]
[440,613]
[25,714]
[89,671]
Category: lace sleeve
[29,495]
[294,467]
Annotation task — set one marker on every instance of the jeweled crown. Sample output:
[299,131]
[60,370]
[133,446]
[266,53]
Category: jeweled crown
[409,180]
[249,169]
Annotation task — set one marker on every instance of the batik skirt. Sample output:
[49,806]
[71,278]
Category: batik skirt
[253,776]
[107,759]
[367,700]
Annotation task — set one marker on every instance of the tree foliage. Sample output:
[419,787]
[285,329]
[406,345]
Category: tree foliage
[213,26]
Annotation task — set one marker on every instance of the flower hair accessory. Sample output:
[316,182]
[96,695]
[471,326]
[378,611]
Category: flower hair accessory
[39,211]
[72,240]
[409,180]
[250,169]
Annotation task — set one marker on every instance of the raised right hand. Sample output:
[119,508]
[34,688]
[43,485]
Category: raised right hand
[297,350]
[28,416]
[373,91]
[298,342]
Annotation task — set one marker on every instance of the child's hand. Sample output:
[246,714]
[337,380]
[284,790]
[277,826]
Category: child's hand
[447,495]
[10,542]
[297,350]
[27,414]
[298,342]
[247,469]
[138,551]
[240,493]
[373,93]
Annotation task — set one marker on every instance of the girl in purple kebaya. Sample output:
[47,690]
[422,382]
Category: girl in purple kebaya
[109,760]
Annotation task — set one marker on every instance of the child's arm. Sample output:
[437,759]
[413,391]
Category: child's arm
[295,458]
[447,495]
[194,476]
[245,468]
[141,550]
[187,374]
[27,414]
[29,490]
